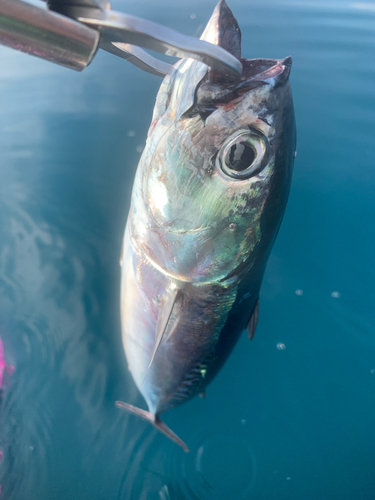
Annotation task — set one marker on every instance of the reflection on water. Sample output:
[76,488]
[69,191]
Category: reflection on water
[291,414]
[49,295]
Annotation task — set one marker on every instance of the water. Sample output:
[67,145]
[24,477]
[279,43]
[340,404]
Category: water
[291,415]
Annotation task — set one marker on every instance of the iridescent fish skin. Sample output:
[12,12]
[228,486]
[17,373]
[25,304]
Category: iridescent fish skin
[208,199]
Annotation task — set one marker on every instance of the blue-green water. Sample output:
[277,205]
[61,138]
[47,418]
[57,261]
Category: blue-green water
[291,416]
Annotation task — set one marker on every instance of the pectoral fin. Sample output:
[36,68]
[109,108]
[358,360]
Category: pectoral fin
[253,321]
[162,323]
[155,421]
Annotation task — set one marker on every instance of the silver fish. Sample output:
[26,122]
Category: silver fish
[207,203]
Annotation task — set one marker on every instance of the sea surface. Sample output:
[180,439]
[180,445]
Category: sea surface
[292,414]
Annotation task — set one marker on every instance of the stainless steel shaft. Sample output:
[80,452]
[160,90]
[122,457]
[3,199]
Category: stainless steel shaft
[46,34]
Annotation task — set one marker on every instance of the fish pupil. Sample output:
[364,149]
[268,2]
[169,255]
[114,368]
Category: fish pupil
[240,156]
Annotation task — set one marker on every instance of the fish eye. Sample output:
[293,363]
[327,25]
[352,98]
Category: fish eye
[243,154]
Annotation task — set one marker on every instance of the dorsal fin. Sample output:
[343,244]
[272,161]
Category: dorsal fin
[253,320]
[222,29]
[162,323]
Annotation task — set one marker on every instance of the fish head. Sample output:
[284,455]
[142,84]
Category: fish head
[214,178]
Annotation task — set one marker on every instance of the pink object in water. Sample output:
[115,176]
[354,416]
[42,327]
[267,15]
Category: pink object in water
[2,362]
[4,366]
[9,370]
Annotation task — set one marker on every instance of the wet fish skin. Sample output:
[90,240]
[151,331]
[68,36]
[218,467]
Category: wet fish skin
[198,237]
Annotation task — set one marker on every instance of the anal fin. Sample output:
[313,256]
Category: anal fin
[155,421]
[253,321]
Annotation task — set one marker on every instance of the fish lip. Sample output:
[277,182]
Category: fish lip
[287,61]
[252,68]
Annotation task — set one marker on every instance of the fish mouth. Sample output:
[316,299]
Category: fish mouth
[264,69]
[210,93]
[214,89]
[223,30]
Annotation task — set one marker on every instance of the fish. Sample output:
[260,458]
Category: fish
[208,199]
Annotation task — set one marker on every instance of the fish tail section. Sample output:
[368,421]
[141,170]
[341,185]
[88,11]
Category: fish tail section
[146,415]
[163,428]
[155,421]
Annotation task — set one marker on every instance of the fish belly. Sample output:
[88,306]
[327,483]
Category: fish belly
[191,351]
